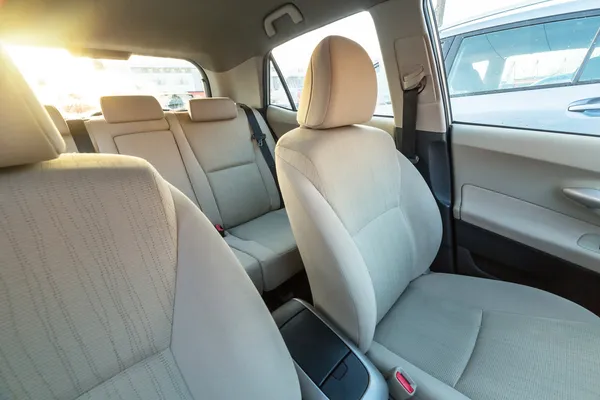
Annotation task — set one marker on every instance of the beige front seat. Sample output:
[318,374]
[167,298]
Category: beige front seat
[113,284]
[368,228]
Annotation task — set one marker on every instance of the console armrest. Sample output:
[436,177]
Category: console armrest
[328,365]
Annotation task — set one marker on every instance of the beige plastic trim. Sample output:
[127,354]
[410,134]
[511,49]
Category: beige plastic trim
[554,233]
[288,9]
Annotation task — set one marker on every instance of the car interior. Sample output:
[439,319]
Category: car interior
[289,209]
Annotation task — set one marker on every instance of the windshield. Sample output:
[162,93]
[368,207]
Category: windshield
[74,84]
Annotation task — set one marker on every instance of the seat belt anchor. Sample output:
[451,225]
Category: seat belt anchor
[414,160]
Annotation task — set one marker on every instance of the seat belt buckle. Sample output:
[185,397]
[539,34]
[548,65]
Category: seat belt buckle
[220,229]
[401,385]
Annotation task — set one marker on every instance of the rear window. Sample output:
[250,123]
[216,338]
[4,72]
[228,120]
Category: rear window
[74,84]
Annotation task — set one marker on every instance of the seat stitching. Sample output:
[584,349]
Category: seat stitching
[184,164]
[342,222]
[472,350]
[373,219]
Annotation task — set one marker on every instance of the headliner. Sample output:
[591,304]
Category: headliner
[217,34]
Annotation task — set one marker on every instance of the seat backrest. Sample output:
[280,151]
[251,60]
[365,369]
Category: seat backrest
[63,128]
[365,222]
[137,126]
[221,139]
[113,284]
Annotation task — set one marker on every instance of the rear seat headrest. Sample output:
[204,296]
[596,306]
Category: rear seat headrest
[58,120]
[212,109]
[119,109]
[27,134]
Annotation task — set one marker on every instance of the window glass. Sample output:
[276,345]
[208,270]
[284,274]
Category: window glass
[524,57]
[293,57]
[277,94]
[526,64]
[591,70]
[75,84]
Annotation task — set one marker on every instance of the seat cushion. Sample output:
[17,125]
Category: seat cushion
[494,340]
[268,239]
[252,268]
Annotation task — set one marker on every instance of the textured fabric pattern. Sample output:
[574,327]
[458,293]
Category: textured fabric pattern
[88,256]
[488,340]
[431,333]
[378,197]
[269,239]
[522,357]
[234,165]
[156,377]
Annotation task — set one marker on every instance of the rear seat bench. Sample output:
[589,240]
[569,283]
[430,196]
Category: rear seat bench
[208,154]
[244,190]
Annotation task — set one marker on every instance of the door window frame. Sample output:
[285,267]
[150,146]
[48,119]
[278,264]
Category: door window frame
[451,53]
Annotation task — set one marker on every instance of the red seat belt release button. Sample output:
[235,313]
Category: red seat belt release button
[401,386]
[404,382]
[220,229]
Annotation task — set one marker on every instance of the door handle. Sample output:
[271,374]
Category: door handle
[587,197]
[589,106]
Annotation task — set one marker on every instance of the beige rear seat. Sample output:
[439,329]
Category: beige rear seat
[62,127]
[245,192]
[137,126]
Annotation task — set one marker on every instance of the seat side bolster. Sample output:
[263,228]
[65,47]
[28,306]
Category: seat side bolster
[330,256]
[205,328]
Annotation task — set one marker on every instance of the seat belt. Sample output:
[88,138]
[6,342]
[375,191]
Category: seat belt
[81,136]
[261,141]
[413,83]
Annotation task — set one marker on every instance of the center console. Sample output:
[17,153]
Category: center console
[328,365]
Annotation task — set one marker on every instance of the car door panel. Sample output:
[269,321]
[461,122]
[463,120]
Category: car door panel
[281,120]
[508,197]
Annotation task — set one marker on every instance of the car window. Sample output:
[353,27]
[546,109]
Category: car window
[591,70]
[74,84]
[292,58]
[533,65]
[525,57]
[278,95]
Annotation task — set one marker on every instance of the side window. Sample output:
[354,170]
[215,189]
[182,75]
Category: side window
[277,93]
[293,57]
[522,58]
[591,70]
[528,65]
[74,84]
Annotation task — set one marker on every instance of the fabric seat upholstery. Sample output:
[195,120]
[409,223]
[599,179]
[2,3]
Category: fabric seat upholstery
[137,126]
[113,284]
[244,190]
[63,128]
[368,229]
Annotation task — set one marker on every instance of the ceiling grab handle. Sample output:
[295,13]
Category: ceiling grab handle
[287,9]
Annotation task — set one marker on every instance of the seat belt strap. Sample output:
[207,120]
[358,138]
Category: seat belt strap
[81,136]
[261,141]
[414,84]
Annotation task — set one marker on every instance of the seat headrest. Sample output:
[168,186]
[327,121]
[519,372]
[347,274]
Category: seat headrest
[212,109]
[58,120]
[340,87]
[119,109]
[27,134]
